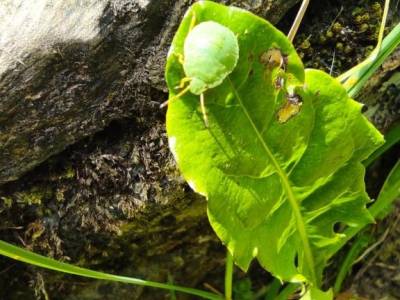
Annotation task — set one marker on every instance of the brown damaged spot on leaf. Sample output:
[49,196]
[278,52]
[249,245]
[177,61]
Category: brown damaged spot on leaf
[291,108]
[274,58]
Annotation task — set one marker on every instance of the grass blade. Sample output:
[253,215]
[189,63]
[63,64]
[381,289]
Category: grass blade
[29,257]
[358,246]
[390,192]
[392,137]
[354,79]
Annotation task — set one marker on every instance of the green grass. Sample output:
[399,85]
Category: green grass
[29,257]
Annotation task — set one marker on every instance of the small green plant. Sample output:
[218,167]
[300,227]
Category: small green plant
[280,161]
[279,151]
[280,164]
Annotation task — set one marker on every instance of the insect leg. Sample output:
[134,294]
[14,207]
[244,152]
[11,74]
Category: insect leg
[192,22]
[180,58]
[180,94]
[183,81]
[203,109]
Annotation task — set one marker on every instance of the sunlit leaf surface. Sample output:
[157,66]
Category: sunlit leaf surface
[280,161]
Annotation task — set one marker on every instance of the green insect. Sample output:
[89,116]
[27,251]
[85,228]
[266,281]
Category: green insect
[210,54]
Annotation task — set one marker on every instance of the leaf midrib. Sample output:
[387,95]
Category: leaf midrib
[287,188]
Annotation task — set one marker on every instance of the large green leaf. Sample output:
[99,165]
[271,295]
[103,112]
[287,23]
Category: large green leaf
[275,190]
[315,294]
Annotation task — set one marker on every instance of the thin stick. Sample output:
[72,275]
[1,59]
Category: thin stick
[371,58]
[382,28]
[298,19]
[203,109]
[337,16]
[213,289]
[333,62]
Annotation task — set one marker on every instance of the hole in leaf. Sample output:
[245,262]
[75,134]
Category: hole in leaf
[339,227]
[296,260]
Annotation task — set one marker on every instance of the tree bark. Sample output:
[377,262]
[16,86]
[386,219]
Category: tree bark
[85,170]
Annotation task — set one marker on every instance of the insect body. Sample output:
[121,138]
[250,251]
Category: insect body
[211,52]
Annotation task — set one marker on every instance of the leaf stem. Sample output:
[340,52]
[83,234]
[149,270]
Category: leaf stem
[228,275]
[32,258]
[301,228]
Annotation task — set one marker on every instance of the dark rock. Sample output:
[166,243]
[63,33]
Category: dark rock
[68,69]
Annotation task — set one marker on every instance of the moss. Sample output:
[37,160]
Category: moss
[69,172]
[305,44]
[358,20]
[351,30]
[363,28]
[60,196]
[35,230]
[377,8]
[7,201]
[337,27]
[322,39]
[348,49]
[36,195]
[339,46]
[115,202]
[357,11]
[387,112]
